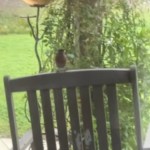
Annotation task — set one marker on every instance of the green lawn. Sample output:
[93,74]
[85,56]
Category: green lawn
[16,59]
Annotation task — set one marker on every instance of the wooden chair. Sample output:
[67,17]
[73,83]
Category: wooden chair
[78,104]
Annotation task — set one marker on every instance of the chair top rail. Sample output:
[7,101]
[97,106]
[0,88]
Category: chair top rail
[70,79]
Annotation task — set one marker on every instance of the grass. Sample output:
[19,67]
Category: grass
[16,59]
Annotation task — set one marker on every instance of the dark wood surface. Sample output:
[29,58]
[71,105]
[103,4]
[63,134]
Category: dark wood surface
[78,104]
[98,101]
[114,117]
[70,79]
[35,119]
[48,119]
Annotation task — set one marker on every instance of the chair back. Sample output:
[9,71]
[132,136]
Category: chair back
[80,109]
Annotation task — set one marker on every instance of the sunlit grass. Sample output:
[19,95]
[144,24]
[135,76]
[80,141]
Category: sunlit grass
[16,59]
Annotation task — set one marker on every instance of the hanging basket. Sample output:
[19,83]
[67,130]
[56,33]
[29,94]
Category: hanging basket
[37,2]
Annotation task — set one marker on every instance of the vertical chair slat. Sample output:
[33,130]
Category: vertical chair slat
[48,119]
[35,119]
[97,98]
[114,117]
[87,118]
[74,117]
[61,123]
[11,115]
[136,103]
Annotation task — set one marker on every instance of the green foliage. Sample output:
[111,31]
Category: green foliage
[103,35]
[107,37]
[56,34]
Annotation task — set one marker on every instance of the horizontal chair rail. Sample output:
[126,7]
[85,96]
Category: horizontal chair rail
[70,78]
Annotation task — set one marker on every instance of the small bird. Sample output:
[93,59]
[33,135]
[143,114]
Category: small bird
[60,60]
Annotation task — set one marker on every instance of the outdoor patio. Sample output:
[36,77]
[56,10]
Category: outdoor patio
[67,65]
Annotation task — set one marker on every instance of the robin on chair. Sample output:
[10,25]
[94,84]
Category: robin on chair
[60,60]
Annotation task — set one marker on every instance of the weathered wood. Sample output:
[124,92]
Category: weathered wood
[84,86]
[72,78]
[114,117]
[87,118]
[98,100]
[61,120]
[48,119]
[74,117]
[35,120]
[137,116]
[11,114]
